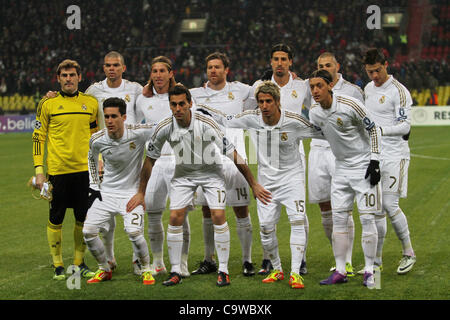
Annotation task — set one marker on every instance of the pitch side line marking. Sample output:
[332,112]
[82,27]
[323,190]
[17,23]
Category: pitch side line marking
[428,157]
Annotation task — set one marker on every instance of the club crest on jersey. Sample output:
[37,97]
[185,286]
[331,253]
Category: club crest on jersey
[127,98]
[339,122]
[294,94]
[284,136]
[60,108]
[230,96]
[382,99]
[150,107]
[84,107]
[132,145]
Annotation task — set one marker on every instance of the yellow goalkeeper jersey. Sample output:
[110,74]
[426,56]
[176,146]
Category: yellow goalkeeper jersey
[65,122]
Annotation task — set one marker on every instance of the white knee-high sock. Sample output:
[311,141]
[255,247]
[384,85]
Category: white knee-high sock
[174,246]
[351,237]
[369,240]
[140,249]
[208,238]
[297,244]
[306,236]
[245,235]
[156,236]
[108,240]
[97,249]
[381,224]
[222,241]
[327,223]
[340,239]
[269,243]
[400,225]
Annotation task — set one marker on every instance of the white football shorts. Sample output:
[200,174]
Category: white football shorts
[101,212]
[158,186]
[291,195]
[238,191]
[182,190]
[345,190]
[394,177]
[321,167]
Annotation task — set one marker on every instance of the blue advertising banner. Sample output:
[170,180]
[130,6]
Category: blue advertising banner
[17,123]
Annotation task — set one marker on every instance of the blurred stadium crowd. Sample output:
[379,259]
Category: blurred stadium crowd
[35,38]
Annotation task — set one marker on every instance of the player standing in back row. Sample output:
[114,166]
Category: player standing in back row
[390,104]
[321,160]
[229,98]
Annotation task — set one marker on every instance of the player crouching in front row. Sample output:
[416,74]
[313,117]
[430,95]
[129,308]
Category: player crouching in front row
[122,148]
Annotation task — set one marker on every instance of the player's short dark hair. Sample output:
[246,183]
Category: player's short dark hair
[282,47]
[220,56]
[115,103]
[322,73]
[178,89]
[373,56]
[68,64]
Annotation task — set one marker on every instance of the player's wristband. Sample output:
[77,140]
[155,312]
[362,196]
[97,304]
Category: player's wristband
[39,170]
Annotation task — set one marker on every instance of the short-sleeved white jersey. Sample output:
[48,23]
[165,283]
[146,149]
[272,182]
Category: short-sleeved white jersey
[277,147]
[390,107]
[353,136]
[231,99]
[122,159]
[344,87]
[154,109]
[198,148]
[127,91]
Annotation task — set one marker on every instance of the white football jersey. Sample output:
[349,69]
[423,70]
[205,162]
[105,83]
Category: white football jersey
[198,148]
[344,87]
[390,107]
[353,136]
[154,109]
[127,91]
[232,99]
[122,159]
[277,147]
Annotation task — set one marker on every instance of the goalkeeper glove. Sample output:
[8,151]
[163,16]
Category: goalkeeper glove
[374,172]
[93,194]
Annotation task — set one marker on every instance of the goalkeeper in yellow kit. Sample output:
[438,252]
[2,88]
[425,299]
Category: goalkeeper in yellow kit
[65,123]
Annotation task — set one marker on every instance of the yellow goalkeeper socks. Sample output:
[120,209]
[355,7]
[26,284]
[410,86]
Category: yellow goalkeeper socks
[54,237]
[80,245]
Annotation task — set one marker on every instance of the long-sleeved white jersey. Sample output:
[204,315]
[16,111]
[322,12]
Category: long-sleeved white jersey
[154,109]
[234,98]
[390,107]
[128,91]
[277,147]
[198,148]
[344,87]
[353,136]
[122,159]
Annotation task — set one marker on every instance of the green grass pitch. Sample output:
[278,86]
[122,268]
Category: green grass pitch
[25,265]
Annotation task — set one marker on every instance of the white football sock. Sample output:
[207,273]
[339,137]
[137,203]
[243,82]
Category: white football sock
[351,237]
[381,224]
[369,240]
[108,239]
[174,246]
[156,236]
[245,235]
[297,244]
[222,241]
[340,239]
[327,223]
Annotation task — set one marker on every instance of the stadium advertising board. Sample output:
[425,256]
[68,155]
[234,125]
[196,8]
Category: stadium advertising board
[17,123]
[430,116]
